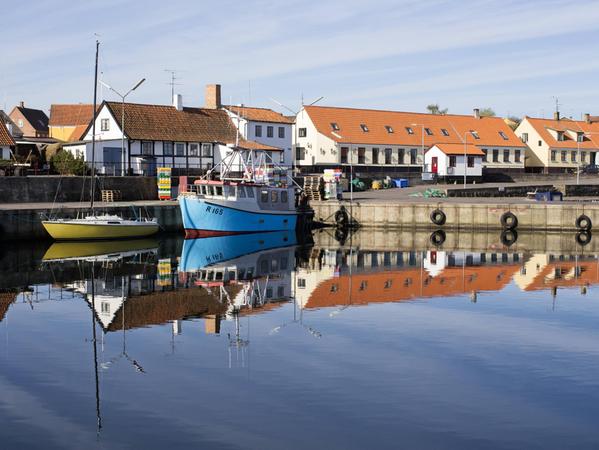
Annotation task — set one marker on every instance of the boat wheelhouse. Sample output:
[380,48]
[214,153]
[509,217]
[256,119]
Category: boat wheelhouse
[240,204]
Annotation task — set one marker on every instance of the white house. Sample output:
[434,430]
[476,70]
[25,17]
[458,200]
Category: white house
[266,127]
[559,144]
[452,160]
[395,141]
[189,140]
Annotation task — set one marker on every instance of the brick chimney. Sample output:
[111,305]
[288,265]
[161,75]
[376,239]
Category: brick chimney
[212,96]
[476,113]
[556,115]
[587,118]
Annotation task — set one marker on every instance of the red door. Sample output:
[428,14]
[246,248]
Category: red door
[434,167]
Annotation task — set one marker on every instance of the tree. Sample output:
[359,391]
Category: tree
[513,122]
[487,112]
[434,108]
[65,163]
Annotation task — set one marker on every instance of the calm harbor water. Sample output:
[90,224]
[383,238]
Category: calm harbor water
[257,342]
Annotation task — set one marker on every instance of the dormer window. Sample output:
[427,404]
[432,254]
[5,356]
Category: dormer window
[334,126]
[428,131]
[580,137]
[445,132]
[560,136]
[409,130]
[503,135]
[389,129]
[364,127]
[474,134]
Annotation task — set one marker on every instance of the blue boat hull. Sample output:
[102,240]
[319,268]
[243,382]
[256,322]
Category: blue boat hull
[202,218]
[200,253]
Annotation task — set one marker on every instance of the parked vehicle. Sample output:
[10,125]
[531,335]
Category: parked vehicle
[590,169]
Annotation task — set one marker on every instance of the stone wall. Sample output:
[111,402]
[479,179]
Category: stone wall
[533,216]
[43,189]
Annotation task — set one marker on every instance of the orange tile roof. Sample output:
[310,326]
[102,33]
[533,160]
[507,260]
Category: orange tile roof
[409,284]
[71,115]
[349,121]
[259,114]
[460,149]
[78,133]
[5,137]
[542,126]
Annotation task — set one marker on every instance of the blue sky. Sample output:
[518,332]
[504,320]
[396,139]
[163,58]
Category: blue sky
[513,56]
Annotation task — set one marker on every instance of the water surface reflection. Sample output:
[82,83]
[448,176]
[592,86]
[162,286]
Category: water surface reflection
[259,342]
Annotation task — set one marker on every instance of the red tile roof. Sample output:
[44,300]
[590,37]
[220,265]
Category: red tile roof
[259,114]
[542,126]
[5,137]
[460,149]
[71,115]
[349,121]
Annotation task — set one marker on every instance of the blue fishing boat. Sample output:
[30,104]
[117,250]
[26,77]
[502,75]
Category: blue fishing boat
[251,196]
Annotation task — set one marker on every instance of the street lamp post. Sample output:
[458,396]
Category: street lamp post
[123,97]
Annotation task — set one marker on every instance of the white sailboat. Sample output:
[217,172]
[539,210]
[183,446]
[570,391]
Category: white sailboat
[98,226]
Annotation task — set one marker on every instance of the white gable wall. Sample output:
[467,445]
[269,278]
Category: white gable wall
[114,129]
[318,149]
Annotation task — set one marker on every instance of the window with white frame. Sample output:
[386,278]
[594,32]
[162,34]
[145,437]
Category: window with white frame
[302,132]
[194,149]
[207,151]
[105,124]
[147,148]
[167,148]
[179,149]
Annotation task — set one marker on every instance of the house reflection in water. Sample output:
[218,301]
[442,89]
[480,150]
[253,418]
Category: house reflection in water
[550,271]
[346,277]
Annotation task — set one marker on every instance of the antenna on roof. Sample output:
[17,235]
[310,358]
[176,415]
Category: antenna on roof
[172,82]
[557,105]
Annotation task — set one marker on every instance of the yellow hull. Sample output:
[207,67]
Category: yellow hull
[87,249]
[83,231]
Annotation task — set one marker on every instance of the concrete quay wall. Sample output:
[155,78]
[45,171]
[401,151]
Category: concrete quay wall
[532,216]
[45,189]
[27,223]
[379,240]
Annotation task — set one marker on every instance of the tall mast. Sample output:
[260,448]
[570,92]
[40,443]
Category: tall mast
[93,176]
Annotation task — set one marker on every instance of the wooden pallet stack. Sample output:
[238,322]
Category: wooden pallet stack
[111,195]
[314,188]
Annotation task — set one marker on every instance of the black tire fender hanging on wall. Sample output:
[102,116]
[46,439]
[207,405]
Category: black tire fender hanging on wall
[584,223]
[438,238]
[509,221]
[583,237]
[438,217]
[341,217]
[508,237]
